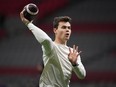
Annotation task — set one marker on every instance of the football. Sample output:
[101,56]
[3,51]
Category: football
[30,11]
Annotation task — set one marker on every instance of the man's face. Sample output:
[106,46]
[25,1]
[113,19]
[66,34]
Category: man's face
[63,31]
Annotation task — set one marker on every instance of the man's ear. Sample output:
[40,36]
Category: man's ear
[54,30]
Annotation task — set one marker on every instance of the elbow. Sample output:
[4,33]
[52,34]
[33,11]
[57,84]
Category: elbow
[46,41]
[82,76]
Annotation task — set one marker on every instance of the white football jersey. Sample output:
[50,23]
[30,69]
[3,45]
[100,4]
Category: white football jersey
[57,67]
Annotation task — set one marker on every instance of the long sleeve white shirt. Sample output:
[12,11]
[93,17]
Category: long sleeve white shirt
[57,67]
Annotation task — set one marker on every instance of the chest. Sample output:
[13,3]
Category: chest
[63,53]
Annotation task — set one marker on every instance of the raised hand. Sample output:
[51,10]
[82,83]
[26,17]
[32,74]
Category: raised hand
[73,55]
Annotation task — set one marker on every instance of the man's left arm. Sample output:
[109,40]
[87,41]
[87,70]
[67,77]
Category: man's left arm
[79,69]
[75,59]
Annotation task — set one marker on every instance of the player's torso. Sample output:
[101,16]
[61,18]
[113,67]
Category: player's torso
[58,67]
[62,53]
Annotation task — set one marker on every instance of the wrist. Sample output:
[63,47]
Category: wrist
[26,23]
[75,64]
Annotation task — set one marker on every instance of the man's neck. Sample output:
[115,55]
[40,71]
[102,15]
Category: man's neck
[61,42]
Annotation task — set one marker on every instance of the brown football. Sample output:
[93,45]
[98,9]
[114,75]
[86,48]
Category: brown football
[30,11]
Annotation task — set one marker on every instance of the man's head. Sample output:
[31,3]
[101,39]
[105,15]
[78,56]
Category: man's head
[60,19]
[62,28]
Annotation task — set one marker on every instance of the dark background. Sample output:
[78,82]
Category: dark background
[93,30]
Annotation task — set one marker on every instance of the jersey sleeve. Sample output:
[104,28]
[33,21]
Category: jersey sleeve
[41,37]
[79,70]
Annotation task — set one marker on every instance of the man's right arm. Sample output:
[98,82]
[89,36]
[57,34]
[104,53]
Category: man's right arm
[41,36]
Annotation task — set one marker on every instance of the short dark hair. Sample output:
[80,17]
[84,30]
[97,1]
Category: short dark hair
[61,19]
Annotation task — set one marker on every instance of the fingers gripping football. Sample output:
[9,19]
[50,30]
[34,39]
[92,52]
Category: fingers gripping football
[24,20]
